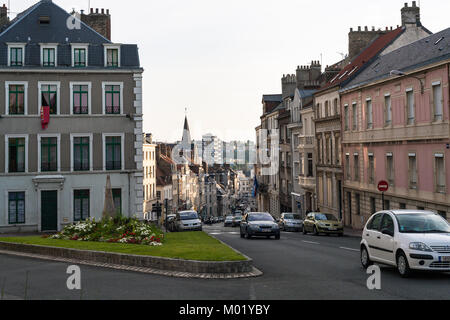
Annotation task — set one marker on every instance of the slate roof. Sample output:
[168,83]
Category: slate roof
[306,93]
[429,50]
[363,59]
[25,28]
[272,98]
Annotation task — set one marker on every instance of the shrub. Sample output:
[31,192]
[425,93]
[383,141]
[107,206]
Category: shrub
[113,230]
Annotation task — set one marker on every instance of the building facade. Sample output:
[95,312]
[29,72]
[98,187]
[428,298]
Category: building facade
[149,182]
[72,116]
[399,131]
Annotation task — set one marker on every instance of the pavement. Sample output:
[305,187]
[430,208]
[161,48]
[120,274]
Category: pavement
[297,267]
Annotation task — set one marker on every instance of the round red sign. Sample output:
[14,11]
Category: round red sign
[383,186]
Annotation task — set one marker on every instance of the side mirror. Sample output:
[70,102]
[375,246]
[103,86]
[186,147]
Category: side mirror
[387,232]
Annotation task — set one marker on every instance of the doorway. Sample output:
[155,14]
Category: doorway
[49,210]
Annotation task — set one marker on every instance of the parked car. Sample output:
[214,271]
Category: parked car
[188,221]
[228,221]
[291,222]
[236,221]
[260,224]
[407,239]
[215,220]
[326,223]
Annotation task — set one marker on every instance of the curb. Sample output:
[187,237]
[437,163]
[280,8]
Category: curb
[143,264]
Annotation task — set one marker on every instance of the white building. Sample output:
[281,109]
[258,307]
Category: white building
[149,183]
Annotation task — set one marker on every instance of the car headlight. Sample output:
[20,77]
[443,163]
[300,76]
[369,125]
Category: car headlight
[419,246]
[321,224]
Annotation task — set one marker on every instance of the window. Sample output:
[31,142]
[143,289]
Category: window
[387,205]
[117,199]
[113,98]
[16,207]
[337,146]
[310,165]
[439,173]
[387,110]
[49,154]
[412,171]
[16,55]
[327,112]
[16,155]
[346,119]
[49,97]
[402,206]
[81,201]
[336,112]
[354,117]
[375,223]
[347,167]
[81,154]
[371,169]
[356,166]
[49,57]
[390,168]
[410,107]
[373,205]
[112,57]
[79,57]
[369,114]
[358,204]
[437,101]
[80,98]
[16,99]
[113,153]
[387,224]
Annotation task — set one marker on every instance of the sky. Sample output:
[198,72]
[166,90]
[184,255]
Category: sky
[217,58]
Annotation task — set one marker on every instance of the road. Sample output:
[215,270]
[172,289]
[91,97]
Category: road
[297,267]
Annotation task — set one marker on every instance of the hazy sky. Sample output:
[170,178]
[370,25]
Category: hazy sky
[217,58]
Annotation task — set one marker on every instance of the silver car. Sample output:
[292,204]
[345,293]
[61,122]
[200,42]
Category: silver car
[188,221]
[291,222]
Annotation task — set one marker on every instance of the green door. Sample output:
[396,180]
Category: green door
[49,210]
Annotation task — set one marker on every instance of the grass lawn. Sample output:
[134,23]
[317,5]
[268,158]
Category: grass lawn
[180,245]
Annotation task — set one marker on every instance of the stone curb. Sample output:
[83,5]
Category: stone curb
[143,264]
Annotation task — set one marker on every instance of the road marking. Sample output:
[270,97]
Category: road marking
[349,249]
[310,242]
[215,233]
[233,232]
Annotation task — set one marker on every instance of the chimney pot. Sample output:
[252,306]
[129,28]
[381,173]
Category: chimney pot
[103,11]
[406,4]
[92,10]
[351,29]
[96,10]
[365,28]
[414,4]
[373,28]
[359,28]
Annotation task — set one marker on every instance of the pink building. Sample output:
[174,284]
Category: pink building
[395,124]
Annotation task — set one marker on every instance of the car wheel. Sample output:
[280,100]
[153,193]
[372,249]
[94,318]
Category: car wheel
[315,232]
[403,265]
[365,259]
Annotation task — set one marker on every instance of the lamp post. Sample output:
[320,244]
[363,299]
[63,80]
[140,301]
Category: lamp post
[401,73]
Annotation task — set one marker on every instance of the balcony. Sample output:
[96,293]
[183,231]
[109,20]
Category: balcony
[307,182]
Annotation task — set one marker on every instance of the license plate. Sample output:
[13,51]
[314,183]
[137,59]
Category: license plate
[445,259]
[266,230]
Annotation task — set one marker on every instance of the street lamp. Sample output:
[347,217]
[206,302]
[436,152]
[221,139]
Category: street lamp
[401,73]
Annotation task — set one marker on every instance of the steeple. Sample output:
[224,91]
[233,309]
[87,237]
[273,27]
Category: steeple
[186,140]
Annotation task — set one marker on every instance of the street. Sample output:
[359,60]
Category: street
[296,267]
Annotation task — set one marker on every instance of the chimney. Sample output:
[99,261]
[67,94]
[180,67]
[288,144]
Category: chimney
[288,85]
[410,15]
[3,16]
[99,21]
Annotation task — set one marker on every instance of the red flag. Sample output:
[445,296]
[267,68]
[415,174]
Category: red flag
[45,116]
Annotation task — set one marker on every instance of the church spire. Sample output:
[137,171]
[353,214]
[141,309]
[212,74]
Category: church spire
[186,141]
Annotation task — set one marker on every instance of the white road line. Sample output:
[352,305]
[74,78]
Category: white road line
[215,234]
[349,249]
[310,242]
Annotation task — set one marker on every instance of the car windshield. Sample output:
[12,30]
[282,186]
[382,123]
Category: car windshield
[260,217]
[229,218]
[292,216]
[422,223]
[237,218]
[188,216]
[325,216]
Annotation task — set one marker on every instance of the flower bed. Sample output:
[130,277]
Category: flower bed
[117,230]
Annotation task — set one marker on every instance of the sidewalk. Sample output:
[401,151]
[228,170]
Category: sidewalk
[349,232]
[20,235]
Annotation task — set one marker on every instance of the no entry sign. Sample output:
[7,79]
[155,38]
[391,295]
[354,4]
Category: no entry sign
[383,186]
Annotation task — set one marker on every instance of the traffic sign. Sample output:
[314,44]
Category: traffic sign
[383,186]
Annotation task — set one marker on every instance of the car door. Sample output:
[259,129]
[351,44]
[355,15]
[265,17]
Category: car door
[373,237]
[308,222]
[386,243]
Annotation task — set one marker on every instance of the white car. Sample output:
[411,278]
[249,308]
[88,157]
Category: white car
[407,239]
[188,221]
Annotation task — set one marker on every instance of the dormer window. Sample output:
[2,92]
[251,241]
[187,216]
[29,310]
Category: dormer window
[79,56]
[16,54]
[49,55]
[112,56]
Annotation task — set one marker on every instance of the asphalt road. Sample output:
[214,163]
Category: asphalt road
[297,267]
